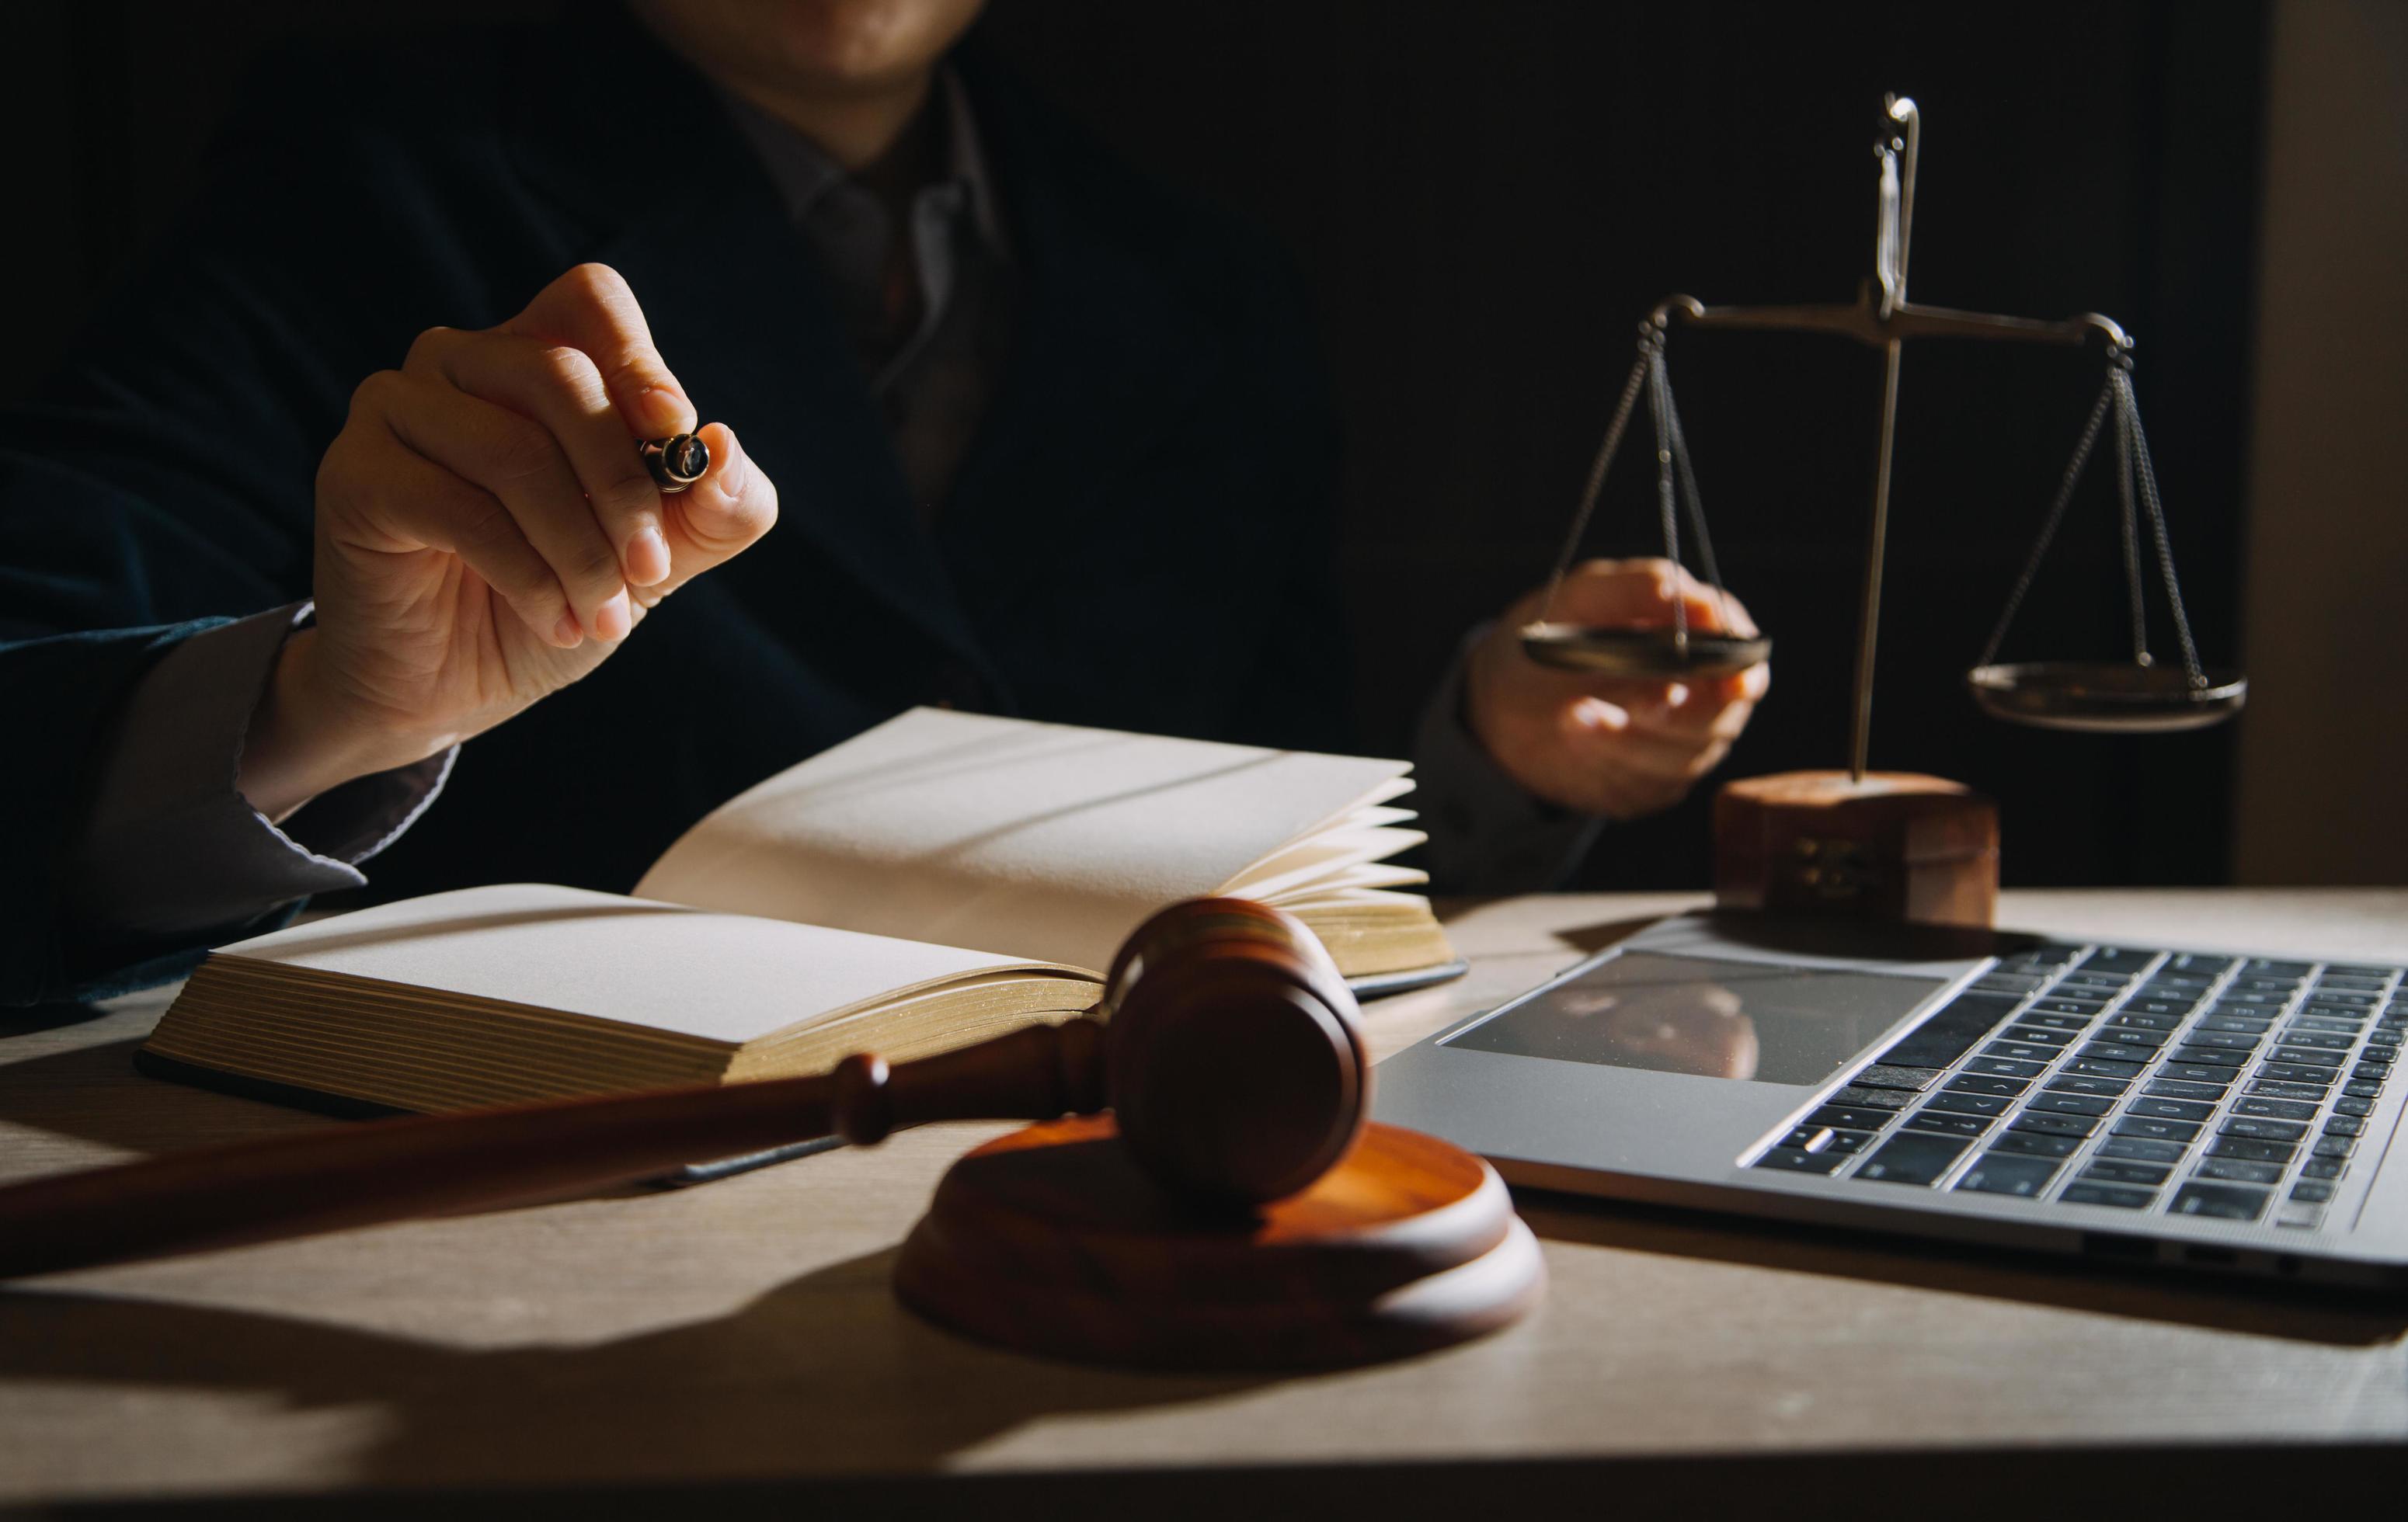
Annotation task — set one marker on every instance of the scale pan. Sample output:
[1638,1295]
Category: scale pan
[1641,652]
[2106,697]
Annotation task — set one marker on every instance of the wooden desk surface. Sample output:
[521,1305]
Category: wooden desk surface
[743,1330]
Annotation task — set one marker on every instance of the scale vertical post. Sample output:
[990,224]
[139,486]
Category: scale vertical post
[1869,618]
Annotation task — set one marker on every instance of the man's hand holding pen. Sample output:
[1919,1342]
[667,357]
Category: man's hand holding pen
[487,534]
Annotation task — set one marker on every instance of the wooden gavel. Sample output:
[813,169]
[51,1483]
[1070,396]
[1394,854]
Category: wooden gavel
[1227,1050]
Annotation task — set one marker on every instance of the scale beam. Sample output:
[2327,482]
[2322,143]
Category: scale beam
[1864,321]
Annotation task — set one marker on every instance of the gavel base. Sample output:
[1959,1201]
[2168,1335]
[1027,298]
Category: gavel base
[1049,1241]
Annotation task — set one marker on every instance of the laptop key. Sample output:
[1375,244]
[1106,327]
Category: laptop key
[2038,1144]
[1884,1075]
[2361,1089]
[2213,1056]
[2172,1088]
[2306,1056]
[1824,1139]
[2278,1088]
[2061,1005]
[2121,1196]
[2220,1202]
[2196,1073]
[2009,1172]
[2354,1108]
[2056,1125]
[2053,1022]
[2299,1215]
[2335,1146]
[2156,1014]
[2250,1128]
[1790,1160]
[2150,1130]
[1970,1083]
[2323,1168]
[1911,1157]
[1849,1117]
[2238,1170]
[2032,1035]
[2275,1109]
[2293,1074]
[2170,1109]
[2056,1104]
[2021,1051]
[2098,1067]
[1947,1122]
[2327,1025]
[2233,1147]
[2074,1083]
[2136,1149]
[2315,1191]
[2114,1051]
[2113,958]
[2005,1067]
[1964,1104]
[1873,1099]
[2126,1173]
[2130,1035]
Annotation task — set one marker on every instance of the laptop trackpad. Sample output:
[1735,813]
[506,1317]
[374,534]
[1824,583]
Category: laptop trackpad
[1707,1017]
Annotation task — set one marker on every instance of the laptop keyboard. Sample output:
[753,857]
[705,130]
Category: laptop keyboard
[2231,1089]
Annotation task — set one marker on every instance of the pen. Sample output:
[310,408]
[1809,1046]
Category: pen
[677,461]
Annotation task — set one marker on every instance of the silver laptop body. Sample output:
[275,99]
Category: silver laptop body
[2204,1109]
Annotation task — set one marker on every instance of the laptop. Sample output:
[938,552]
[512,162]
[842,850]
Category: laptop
[2204,1109]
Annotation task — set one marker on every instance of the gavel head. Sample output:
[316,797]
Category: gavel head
[1233,1062]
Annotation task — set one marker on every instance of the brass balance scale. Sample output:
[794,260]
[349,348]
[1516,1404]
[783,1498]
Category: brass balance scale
[1885,844]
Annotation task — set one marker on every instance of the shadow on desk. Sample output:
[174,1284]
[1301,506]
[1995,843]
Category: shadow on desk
[91,1092]
[826,1374]
[2254,1307]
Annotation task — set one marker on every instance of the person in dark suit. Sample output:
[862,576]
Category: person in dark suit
[346,477]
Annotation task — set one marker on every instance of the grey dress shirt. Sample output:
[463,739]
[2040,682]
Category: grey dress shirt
[171,849]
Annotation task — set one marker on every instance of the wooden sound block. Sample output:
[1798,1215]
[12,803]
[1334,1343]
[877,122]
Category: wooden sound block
[1049,1241]
[1894,845]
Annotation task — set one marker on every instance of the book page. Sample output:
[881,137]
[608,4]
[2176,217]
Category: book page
[1019,838]
[661,966]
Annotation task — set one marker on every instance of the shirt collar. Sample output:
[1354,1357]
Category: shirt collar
[803,171]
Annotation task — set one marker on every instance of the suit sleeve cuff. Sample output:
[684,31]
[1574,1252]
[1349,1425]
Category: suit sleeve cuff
[1486,835]
[172,850]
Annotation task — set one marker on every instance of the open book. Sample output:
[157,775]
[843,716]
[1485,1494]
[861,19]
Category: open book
[938,880]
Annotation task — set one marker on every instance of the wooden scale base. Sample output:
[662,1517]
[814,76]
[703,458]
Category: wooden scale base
[1051,1241]
[1888,846]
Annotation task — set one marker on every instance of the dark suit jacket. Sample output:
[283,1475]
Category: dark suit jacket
[1140,535]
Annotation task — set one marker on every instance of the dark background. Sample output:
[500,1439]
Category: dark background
[1485,199]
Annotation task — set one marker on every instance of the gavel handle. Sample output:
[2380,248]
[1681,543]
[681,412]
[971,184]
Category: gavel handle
[433,1165]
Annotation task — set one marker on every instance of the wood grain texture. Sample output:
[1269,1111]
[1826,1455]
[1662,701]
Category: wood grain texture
[1052,1241]
[746,1330]
[1890,846]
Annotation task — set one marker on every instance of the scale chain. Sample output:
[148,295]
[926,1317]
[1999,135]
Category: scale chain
[2049,526]
[1697,507]
[2128,407]
[1659,401]
[1649,340]
[2131,526]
